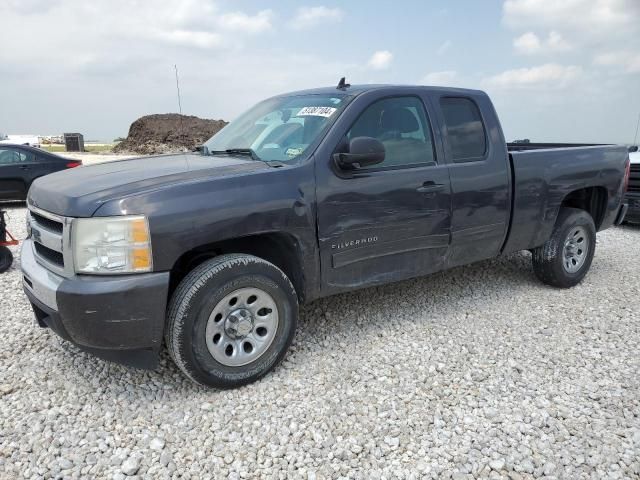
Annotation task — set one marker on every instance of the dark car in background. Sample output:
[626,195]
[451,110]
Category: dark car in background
[20,165]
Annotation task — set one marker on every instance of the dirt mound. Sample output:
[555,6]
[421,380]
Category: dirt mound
[168,132]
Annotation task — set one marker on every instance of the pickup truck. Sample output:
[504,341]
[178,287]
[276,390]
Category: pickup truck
[305,195]
[633,191]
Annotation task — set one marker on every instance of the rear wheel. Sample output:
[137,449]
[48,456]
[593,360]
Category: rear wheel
[564,260]
[6,259]
[231,320]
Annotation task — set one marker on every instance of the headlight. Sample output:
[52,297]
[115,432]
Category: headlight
[111,245]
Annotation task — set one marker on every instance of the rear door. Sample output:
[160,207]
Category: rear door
[480,176]
[389,221]
[32,166]
[44,163]
[13,170]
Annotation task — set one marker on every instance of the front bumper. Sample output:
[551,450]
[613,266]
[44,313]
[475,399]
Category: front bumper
[633,213]
[118,318]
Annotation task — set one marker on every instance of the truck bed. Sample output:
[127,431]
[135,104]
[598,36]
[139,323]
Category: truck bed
[545,175]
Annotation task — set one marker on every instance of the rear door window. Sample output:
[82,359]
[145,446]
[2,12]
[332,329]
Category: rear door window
[465,130]
[401,124]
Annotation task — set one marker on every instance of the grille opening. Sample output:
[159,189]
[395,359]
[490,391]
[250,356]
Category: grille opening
[49,255]
[47,223]
[27,281]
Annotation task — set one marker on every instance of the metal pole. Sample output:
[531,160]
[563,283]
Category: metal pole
[635,138]
[178,88]
[179,101]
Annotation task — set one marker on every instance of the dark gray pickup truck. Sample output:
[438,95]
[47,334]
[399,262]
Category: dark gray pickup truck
[306,195]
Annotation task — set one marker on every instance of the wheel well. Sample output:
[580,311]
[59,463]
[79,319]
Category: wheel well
[281,249]
[592,200]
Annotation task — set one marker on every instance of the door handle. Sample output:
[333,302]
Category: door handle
[430,187]
[24,167]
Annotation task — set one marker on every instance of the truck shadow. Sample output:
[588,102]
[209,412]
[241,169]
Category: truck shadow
[630,226]
[420,298]
[11,204]
[358,314]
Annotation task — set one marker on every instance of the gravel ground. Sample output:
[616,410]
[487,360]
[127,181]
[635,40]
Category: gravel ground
[479,372]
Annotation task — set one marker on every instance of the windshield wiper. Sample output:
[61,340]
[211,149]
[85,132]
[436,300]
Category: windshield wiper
[238,151]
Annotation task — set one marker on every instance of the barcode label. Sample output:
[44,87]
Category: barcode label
[316,111]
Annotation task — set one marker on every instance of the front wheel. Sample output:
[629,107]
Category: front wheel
[231,320]
[564,260]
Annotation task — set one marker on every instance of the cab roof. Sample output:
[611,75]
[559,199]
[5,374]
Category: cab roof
[392,89]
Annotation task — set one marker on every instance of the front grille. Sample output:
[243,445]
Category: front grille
[49,232]
[47,223]
[49,255]
[634,179]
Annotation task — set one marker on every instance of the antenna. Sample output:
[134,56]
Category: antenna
[635,138]
[179,101]
[178,88]
[342,84]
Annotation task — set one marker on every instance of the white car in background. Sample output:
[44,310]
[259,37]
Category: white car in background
[31,140]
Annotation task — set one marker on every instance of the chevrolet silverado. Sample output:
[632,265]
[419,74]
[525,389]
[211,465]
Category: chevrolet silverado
[306,195]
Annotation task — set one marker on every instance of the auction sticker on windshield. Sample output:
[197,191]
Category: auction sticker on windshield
[316,111]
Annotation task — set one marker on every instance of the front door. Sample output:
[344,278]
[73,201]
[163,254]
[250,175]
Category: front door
[390,221]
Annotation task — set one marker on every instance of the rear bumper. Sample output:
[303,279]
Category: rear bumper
[118,318]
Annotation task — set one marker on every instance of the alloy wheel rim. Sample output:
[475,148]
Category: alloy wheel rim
[576,248]
[242,326]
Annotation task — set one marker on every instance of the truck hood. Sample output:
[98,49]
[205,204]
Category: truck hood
[634,157]
[79,192]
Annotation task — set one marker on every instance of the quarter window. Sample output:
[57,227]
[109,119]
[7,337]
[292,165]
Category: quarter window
[402,126]
[465,130]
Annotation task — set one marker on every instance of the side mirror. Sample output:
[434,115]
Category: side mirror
[363,152]
[633,148]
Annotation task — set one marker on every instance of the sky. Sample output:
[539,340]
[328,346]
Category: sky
[557,70]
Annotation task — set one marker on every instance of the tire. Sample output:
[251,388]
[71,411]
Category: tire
[564,260]
[204,319]
[6,259]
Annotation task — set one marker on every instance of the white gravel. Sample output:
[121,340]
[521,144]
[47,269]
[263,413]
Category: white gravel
[480,372]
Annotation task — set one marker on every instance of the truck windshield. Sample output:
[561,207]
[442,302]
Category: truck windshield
[280,128]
